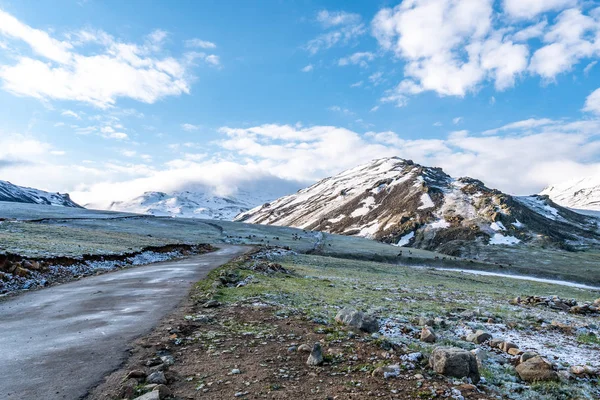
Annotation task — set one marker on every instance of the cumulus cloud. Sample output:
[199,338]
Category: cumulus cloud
[190,127]
[530,8]
[59,70]
[307,68]
[473,44]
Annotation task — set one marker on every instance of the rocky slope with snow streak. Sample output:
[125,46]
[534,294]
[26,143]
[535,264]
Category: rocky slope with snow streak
[583,193]
[400,202]
[13,193]
[186,204]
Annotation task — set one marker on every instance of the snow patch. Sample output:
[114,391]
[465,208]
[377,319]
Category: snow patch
[426,202]
[404,240]
[501,239]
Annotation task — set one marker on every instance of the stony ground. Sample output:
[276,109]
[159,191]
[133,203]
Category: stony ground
[272,305]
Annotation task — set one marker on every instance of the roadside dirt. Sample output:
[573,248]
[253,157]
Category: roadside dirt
[246,351]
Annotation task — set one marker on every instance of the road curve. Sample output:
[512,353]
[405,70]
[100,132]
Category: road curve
[59,342]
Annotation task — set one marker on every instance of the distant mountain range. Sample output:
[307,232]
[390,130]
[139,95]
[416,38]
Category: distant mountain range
[19,194]
[403,203]
[189,204]
[582,193]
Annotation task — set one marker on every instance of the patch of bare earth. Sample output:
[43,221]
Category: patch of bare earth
[246,351]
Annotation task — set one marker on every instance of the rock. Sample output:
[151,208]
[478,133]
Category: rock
[22,272]
[515,301]
[454,362]
[136,373]
[536,369]
[163,391]
[481,356]
[495,343]
[527,356]
[597,302]
[478,337]
[128,387]
[304,348]
[513,351]
[149,396]
[427,335]
[211,304]
[316,355]
[157,377]
[235,371]
[356,319]
[389,371]
[505,346]
[426,321]
[168,360]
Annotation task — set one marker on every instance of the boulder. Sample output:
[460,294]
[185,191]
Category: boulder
[454,362]
[356,319]
[537,369]
[426,321]
[481,356]
[316,355]
[495,343]
[514,351]
[478,337]
[427,335]
[157,377]
[505,346]
[526,356]
[163,391]
[304,348]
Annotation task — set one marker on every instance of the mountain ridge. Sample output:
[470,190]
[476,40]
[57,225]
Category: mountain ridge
[20,194]
[400,202]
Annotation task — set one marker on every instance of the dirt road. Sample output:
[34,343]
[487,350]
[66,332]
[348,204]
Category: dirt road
[59,342]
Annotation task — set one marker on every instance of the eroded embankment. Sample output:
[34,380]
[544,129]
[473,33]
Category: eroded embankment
[19,273]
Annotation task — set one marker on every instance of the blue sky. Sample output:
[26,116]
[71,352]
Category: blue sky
[108,99]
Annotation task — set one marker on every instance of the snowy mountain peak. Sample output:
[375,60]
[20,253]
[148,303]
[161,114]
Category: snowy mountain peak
[13,193]
[401,202]
[581,193]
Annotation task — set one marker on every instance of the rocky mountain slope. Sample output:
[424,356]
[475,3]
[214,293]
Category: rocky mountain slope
[581,193]
[19,194]
[187,204]
[400,202]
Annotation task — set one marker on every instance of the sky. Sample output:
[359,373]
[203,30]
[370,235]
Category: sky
[109,99]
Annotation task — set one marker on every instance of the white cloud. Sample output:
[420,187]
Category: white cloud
[530,8]
[573,37]
[190,127]
[70,113]
[592,103]
[116,69]
[457,120]
[438,124]
[356,84]
[340,110]
[466,52]
[343,28]
[531,32]
[203,44]
[376,78]
[336,18]
[307,68]
[522,125]
[360,58]
[589,67]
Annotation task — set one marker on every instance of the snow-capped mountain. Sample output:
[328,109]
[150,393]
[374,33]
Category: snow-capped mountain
[583,193]
[188,204]
[400,202]
[19,194]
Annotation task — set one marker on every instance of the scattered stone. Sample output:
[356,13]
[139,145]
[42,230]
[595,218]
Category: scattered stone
[454,362]
[513,351]
[537,369]
[149,396]
[316,355]
[127,390]
[163,391]
[478,337]
[136,373]
[211,304]
[157,377]
[427,335]
[356,319]
[505,346]
[388,371]
[168,360]
[235,371]
[496,342]
[304,348]
[241,394]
